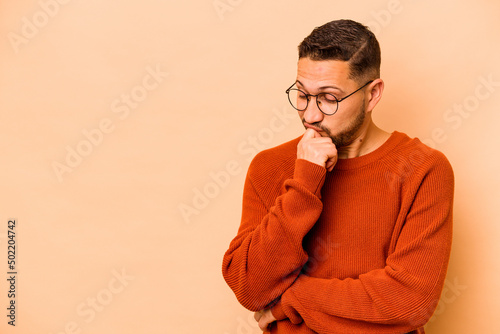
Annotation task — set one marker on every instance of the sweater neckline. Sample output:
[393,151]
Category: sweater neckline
[353,163]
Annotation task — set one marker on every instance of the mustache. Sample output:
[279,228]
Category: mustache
[317,125]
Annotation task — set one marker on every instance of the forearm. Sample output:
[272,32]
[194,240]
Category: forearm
[397,298]
[266,256]
[377,302]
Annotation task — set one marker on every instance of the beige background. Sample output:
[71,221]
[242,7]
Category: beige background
[130,206]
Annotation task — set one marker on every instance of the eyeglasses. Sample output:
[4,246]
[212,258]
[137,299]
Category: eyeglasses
[327,103]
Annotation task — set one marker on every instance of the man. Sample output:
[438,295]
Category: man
[346,229]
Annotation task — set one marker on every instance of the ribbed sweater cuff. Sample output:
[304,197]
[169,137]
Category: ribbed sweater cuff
[310,175]
[277,311]
[284,310]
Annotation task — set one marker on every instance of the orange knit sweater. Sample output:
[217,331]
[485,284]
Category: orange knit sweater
[361,249]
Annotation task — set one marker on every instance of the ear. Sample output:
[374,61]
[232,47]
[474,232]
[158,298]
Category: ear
[374,91]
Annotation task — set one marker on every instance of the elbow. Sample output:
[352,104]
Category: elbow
[252,293]
[421,317]
[433,305]
[251,304]
[417,317]
[240,287]
[248,298]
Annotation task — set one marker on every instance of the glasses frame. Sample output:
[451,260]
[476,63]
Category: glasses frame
[308,96]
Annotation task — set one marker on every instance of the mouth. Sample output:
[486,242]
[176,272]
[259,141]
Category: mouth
[309,126]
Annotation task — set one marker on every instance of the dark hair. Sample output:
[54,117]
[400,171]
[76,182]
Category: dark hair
[345,40]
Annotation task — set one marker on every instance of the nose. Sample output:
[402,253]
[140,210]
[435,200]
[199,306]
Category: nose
[312,114]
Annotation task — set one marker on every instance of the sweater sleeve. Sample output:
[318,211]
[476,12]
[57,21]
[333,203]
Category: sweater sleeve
[266,256]
[399,297]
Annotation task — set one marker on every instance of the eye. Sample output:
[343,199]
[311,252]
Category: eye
[329,98]
[301,95]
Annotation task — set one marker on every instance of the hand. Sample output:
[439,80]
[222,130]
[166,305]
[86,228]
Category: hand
[317,149]
[264,318]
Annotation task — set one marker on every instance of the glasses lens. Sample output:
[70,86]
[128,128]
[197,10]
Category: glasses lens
[298,99]
[327,103]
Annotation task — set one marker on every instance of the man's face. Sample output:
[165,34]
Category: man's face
[332,76]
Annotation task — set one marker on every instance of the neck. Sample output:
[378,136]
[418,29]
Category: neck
[368,139]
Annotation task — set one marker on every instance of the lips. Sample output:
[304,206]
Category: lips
[309,126]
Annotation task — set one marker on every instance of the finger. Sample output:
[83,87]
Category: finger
[316,134]
[266,320]
[329,165]
[263,325]
[332,160]
[262,322]
[310,133]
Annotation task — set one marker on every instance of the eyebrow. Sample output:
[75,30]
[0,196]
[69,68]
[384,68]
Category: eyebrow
[322,87]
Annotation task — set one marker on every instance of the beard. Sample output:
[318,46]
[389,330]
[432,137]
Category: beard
[348,134]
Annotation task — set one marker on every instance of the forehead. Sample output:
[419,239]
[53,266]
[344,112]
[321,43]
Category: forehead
[318,73]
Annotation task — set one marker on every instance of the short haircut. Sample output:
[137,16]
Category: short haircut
[345,40]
